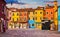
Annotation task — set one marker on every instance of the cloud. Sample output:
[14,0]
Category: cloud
[22,6]
[30,3]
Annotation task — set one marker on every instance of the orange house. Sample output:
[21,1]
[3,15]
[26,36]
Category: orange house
[23,18]
[49,13]
[48,17]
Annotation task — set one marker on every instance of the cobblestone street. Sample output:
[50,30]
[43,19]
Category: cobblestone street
[29,33]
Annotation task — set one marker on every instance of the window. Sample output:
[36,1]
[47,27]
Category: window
[13,14]
[51,12]
[46,12]
[56,10]
[32,24]
[17,14]
[24,18]
[10,18]
[36,18]
[44,17]
[17,19]
[35,12]
[40,18]
[40,12]
[13,19]
[33,18]
[29,18]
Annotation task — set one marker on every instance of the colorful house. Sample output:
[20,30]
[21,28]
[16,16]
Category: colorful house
[31,18]
[38,17]
[9,14]
[13,17]
[23,18]
[59,18]
[49,14]
[2,13]
[56,14]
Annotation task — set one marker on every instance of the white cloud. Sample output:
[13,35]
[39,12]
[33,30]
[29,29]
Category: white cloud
[22,6]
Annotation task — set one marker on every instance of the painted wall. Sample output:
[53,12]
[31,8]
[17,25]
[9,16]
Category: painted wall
[15,16]
[38,15]
[56,20]
[30,23]
[59,13]
[59,18]
[56,15]
[31,19]
[24,16]
[9,14]
[31,15]
[49,13]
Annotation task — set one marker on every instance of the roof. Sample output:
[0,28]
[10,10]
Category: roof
[49,7]
[39,8]
[21,10]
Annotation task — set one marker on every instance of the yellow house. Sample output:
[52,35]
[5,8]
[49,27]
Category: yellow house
[38,17]
[31,15]
[56,21]
[56,15]
[15,16]
[31,19]
[14,20]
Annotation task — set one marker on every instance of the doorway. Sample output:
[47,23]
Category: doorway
[46,26]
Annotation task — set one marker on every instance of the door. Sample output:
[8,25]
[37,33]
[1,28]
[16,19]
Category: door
[46,26]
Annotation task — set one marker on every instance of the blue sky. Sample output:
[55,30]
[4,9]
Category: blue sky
[34,3]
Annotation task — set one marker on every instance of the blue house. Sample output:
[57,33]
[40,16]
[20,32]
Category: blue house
[59,18]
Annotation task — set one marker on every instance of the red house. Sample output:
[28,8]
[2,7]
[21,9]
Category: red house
[23,18]
[2,13]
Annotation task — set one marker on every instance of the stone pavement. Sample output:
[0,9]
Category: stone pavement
[29,33]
